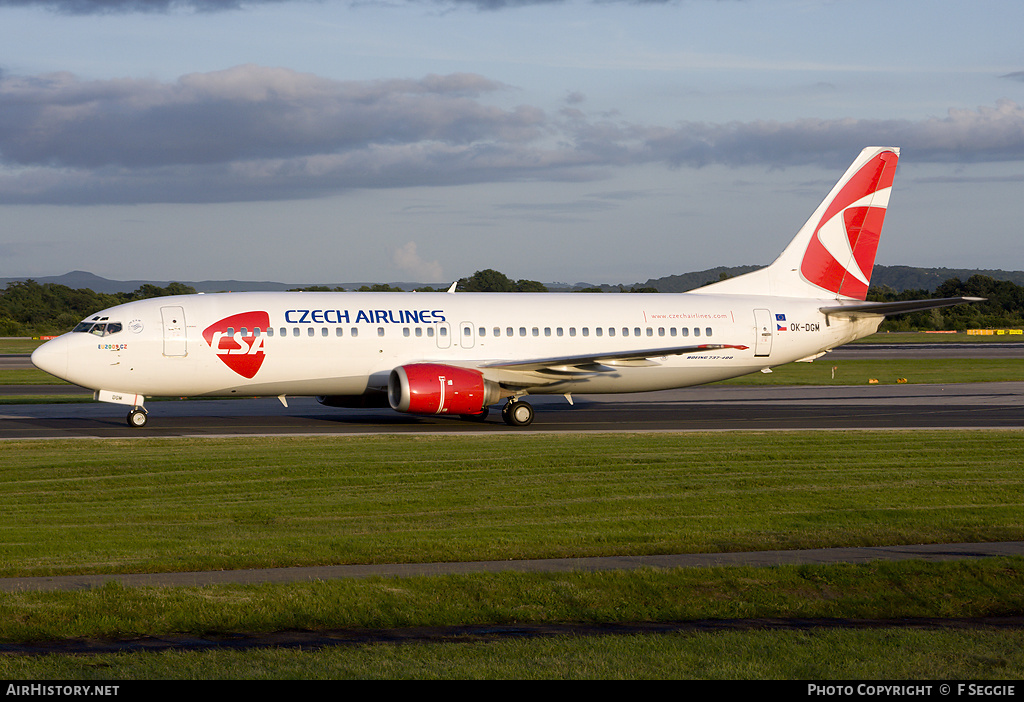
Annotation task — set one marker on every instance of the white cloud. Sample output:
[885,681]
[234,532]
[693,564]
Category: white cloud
[407,259]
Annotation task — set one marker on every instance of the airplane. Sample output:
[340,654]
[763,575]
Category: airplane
[458,353]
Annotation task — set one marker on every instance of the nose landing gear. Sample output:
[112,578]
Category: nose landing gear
[137,417]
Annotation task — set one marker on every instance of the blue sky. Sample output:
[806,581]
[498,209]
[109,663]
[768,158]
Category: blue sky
[602,141]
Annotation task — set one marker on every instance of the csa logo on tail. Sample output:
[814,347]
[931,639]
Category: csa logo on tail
[841,253]
[242,353]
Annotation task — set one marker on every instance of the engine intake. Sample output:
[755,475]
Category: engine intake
[435,388]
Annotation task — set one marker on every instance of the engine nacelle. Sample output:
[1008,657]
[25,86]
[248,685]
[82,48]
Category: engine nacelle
[435,388]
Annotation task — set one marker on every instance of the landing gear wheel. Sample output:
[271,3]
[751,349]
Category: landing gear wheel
[137,418]
[517,413]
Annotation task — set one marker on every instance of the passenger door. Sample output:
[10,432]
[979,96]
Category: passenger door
[764,333]
[175,343]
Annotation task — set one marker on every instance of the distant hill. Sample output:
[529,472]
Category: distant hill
[899,278]
[83,279]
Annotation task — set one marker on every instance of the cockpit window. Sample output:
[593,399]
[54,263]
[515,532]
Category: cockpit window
[98,328]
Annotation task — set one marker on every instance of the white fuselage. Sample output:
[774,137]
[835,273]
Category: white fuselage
[346,344]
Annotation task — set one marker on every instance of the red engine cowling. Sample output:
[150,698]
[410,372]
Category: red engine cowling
[434,388]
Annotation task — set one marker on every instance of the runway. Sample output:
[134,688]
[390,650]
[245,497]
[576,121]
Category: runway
[706,408]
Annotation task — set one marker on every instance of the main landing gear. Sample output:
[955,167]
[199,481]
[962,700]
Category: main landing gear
[138,417]
[517,413]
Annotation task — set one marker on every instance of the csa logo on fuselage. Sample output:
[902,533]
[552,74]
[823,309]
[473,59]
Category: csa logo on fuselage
[241,351]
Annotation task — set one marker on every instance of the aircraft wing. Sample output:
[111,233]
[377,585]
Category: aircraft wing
[864,309]
[603,362]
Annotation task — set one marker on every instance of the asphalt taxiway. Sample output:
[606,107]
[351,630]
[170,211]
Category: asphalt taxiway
[706,408]
[256,576]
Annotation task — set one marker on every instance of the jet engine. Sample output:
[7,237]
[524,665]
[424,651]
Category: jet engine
[435,388]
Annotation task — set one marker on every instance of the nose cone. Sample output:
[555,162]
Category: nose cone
[52,357]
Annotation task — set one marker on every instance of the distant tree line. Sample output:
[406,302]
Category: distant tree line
[1003,306]
[28,308]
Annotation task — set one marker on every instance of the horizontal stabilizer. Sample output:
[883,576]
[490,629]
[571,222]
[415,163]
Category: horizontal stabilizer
[866,309]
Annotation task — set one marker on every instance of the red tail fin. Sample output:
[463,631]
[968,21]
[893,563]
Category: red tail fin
[841,252]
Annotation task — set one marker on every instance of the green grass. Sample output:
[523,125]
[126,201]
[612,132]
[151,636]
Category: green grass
[28,376]
[191,504]
[877,591]
[940,338]
[13,344]
[825,655]
[889,372]
[178,504]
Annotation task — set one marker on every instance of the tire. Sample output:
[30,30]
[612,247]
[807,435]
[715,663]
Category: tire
[518,414]
[137,418]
